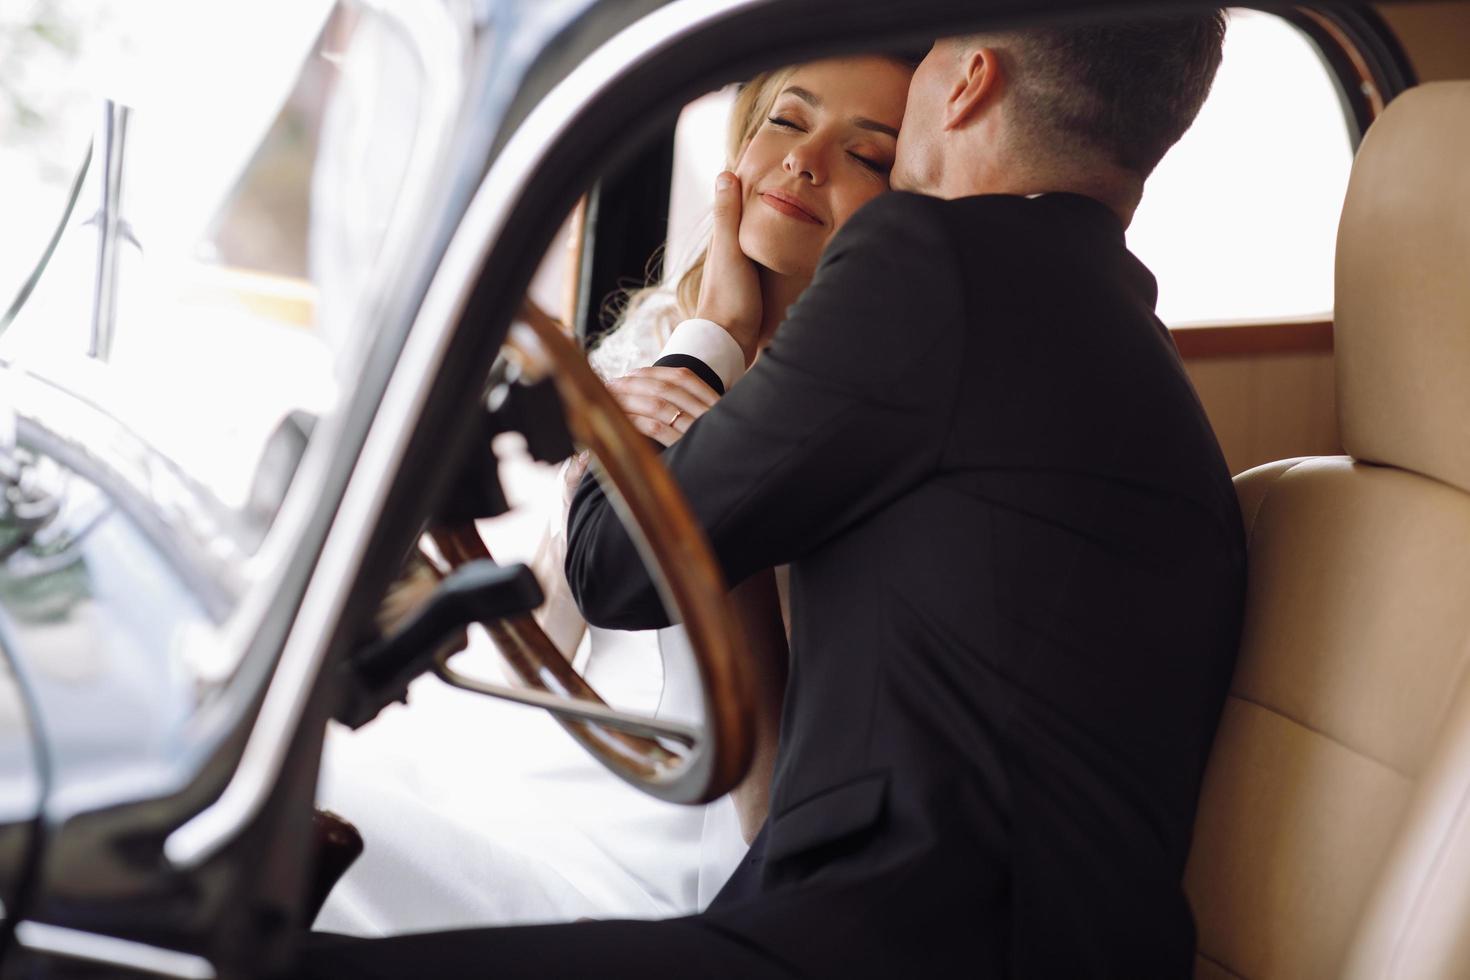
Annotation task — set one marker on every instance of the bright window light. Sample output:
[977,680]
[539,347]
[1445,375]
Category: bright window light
[1239,221]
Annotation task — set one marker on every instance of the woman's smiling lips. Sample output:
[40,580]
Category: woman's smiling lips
[789,206]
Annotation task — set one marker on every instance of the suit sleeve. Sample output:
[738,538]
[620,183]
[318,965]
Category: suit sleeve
[846,410]
[701,370]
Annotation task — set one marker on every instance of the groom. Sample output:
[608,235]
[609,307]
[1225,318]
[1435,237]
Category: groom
[1016,558]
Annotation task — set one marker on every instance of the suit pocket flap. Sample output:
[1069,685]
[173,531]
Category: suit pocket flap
[827,817]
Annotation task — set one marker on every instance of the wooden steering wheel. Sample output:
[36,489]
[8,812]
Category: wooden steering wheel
[672,761]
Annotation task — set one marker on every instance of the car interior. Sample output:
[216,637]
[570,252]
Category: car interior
[1332,837]
[1333,834]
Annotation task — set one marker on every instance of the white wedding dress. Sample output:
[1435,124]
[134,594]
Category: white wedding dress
[478,812]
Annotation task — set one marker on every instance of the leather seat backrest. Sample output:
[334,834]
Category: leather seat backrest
[1333,837]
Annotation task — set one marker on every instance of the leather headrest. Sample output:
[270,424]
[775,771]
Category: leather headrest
[1403,288]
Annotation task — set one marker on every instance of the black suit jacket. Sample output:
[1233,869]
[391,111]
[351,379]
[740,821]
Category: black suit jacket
[1017,570]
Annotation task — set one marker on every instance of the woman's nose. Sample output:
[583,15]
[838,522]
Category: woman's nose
[805,160]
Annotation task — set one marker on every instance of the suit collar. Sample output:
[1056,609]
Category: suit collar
[1087,209]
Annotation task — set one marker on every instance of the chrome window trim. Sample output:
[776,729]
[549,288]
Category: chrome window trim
[114,135]
[41,937]
[408,389]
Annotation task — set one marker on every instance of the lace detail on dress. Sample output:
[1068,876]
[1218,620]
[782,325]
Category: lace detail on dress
[637,339]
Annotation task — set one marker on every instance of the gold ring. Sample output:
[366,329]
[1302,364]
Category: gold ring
[676,417]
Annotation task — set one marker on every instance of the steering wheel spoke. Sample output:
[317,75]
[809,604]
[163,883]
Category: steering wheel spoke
[567,706]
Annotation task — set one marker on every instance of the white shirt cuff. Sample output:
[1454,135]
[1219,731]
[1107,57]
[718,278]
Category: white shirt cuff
[712,344]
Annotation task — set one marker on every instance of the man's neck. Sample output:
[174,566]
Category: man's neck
[1117,190]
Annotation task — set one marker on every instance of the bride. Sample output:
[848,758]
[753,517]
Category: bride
[808,145]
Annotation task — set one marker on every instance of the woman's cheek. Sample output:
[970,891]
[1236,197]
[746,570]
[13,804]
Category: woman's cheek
[748,239]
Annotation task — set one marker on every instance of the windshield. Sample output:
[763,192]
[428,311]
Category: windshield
[46,118]
[249,168]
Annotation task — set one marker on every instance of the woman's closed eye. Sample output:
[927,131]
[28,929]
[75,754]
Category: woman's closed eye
[880,167]
[875,164]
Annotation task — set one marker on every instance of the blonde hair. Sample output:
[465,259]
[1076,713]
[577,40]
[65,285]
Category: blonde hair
[751,106]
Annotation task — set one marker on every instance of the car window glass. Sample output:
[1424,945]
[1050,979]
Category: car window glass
[1239,221]
[252,219]
[47,116]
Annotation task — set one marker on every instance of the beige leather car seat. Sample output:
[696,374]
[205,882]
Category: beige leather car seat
[1333,837]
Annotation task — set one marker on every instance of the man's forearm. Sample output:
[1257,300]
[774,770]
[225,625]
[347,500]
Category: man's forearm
[610,584]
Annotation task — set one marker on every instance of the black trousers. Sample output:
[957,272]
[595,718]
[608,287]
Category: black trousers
[904,922]
[689,947]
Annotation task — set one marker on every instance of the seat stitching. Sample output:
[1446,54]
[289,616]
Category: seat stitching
[1250,529]
[1436,867]
[1218,965]
[1409,777]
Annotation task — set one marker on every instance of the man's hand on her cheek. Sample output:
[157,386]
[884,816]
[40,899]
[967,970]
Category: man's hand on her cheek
[730,292]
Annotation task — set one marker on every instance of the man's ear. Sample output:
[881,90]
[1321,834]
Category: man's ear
[976,87]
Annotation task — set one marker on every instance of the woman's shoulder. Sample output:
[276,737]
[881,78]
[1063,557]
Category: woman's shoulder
[638,336]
